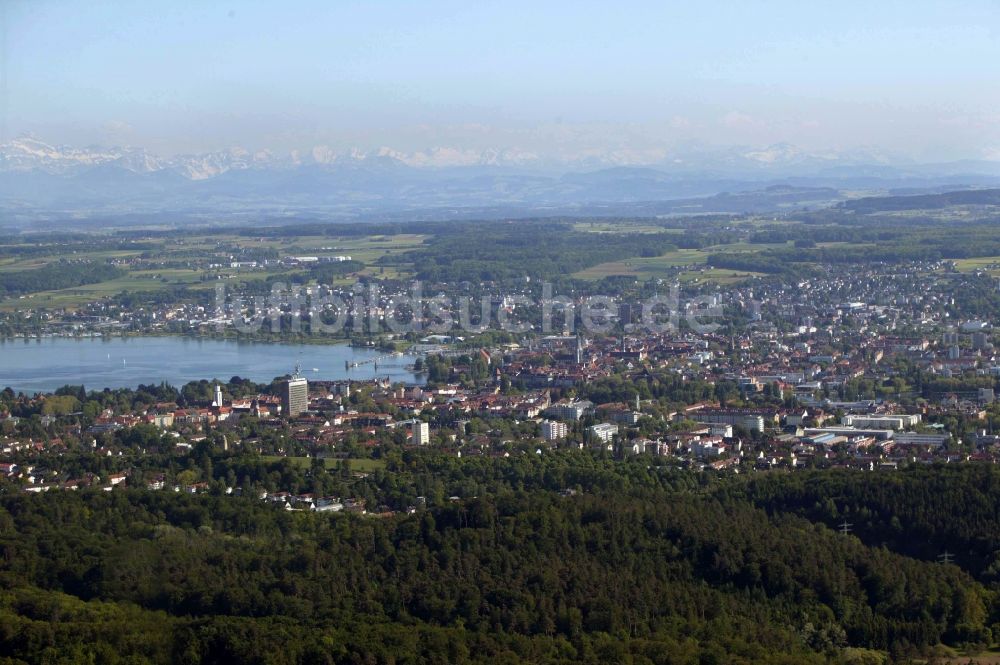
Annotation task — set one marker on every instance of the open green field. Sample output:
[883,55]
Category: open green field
[745,247]
[194,253]
[621,227]
[357,463]
[363,248]
[9,264]
[845,244]
[990,264]
[717,275]
[367,250]
[140,280]
[16,265]
[360,248]
[645,267]
[667,265]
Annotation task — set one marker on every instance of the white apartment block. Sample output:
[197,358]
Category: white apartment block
[554,430]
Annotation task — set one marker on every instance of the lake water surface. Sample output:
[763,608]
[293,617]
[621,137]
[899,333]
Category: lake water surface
[42,365]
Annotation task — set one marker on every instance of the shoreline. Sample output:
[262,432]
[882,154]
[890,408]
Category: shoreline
[309,340]
[43,364]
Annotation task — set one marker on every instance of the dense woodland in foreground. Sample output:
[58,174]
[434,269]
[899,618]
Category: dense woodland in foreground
[640,564]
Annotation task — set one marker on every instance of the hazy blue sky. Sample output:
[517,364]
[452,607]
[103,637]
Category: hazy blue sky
[567,78]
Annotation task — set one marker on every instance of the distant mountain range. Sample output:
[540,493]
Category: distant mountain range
[39,181]
[28,154]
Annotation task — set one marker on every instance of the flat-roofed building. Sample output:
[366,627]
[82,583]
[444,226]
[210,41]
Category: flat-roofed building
[603,432]
[294,396]
[881,421]
[918,439]
[420,433]
[572,410]
[553,430]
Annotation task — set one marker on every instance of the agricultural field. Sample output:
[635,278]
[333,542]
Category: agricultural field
[621,227]
[646,268]
[361,248]
[10,264]
[660,267]
[716,275]
[990,264]
[139,280]
[201,262]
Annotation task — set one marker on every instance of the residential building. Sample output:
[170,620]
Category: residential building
[294,396]
[886,421]
[750,421]
[604,432]
[553,430]
[569,410]
[420,433]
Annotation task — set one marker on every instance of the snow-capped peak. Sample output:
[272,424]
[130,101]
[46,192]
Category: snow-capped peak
[27,153]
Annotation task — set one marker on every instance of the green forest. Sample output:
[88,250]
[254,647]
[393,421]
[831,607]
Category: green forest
[537,561]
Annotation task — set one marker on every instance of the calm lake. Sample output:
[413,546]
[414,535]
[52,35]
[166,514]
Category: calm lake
[46,364]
